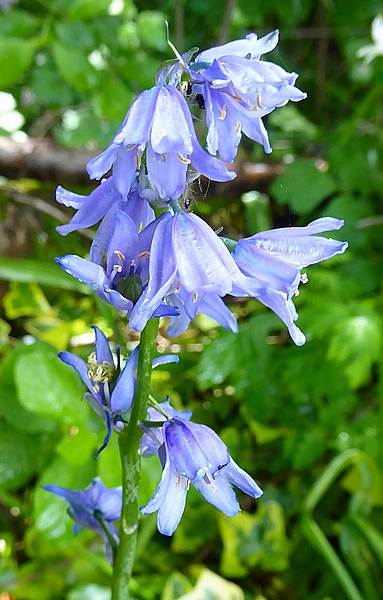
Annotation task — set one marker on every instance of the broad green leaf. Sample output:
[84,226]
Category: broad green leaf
[85,9]
[151,29]
[17,458]
[10,408]
[15,57]
[48,387]
[302,186]
[18,24]
[28,270]
[75,67]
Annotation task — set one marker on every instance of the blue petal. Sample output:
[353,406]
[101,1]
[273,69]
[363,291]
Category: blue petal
[162,274]
[170,132]
[103,352]
[68,198]
[220,494]
[123,243]
[123,393]
[250,45]
[241,479]
[124,168]
[93,207]
[166,172]
[108,423]
[169,499]
[165,360]
[214,307]
[137,124]
[208,165]
[110,504]
[284,308]
[101,164]
[83,270]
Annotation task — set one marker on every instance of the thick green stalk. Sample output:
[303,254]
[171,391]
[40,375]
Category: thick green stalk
[129,441]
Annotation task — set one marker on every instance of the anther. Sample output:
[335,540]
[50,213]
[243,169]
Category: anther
[304,278]
[119,255]
[117,268]
[223,113]
[195,297]
[238,128]
[183,159]
[143,254]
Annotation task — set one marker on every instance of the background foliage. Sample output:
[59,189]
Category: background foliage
[306,422]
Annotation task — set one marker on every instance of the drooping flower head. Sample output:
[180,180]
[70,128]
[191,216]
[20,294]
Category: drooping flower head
[117,270]
[86,507]
[238,89]
[153,437]
[274,259]
[194,454]
[111,390]
[158,122]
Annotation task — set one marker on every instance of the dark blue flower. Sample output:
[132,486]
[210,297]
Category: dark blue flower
[238,90]
[95,501]
[159,121]
[274,259]
[110,392]
[153,437]
[194,454]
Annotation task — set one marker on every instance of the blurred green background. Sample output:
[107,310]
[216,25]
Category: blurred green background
[307,422]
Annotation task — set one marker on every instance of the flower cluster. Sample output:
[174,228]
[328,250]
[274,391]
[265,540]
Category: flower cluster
[152,257]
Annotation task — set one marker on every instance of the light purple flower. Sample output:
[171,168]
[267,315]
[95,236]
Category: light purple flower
[274,259]
[238,90]
[111,391]
[194,454]
[153,437]
[192,269]
[85,505]
[159,121]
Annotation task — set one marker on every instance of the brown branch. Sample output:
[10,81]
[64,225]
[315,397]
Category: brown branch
[45,161]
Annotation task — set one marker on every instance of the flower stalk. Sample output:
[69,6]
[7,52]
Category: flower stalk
[129,440]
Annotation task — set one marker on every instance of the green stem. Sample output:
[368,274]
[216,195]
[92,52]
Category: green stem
[107,532]
[129,441]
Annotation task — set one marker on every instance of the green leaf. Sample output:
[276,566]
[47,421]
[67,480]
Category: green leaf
[10,408]
[113,99]
[15,56]
[176,586]
[302,186]
[213,587]
[17,458]
[86,9]
[357,343]
[48,387]
[254,540]
[25,300]
[75,67]
[38,271]
[151,29]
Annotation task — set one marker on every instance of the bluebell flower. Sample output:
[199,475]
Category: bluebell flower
[153,437]
[159,121]
[274,259]
[123,272]
[110,392]
[192,269]
[194,454]
[238,90]
[86,505]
